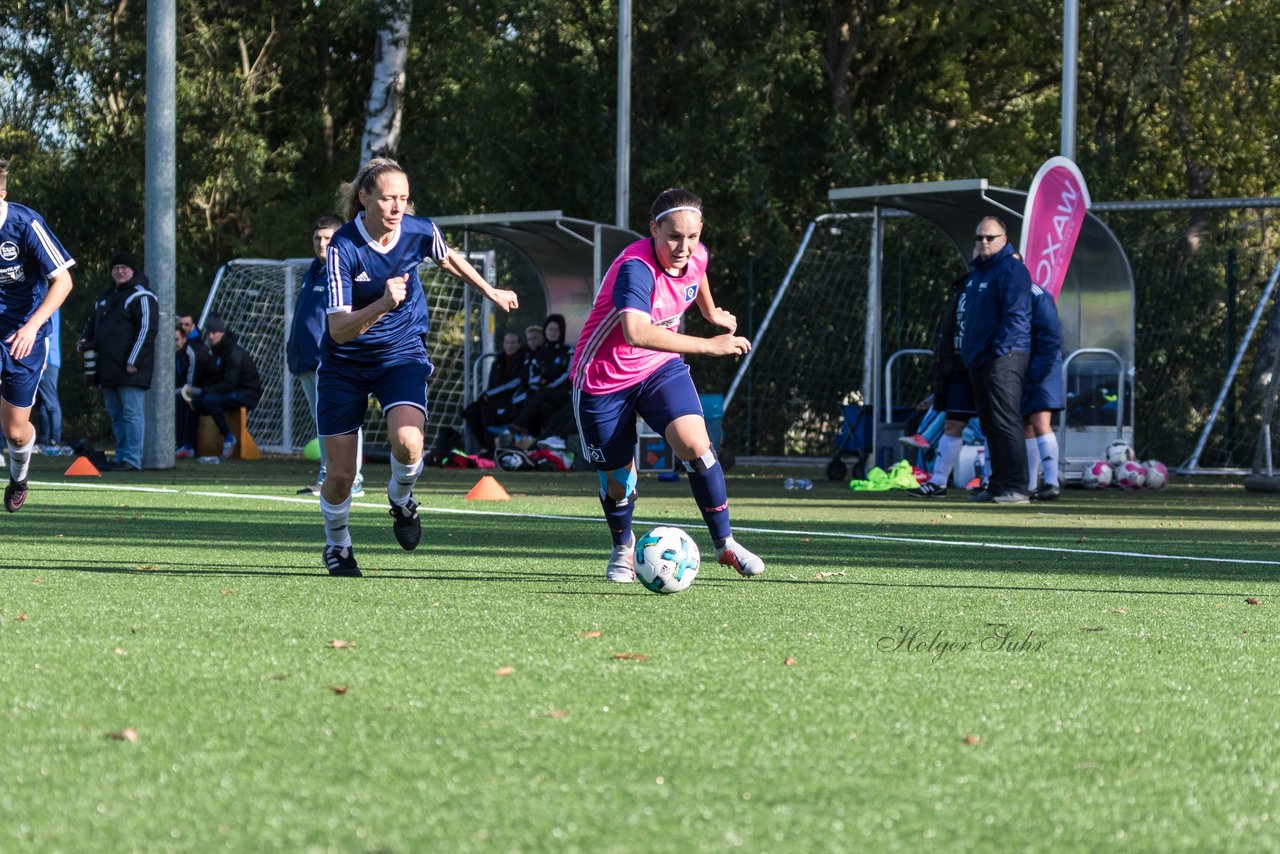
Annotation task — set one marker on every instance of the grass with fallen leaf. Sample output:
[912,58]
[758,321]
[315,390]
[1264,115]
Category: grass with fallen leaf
[178,674]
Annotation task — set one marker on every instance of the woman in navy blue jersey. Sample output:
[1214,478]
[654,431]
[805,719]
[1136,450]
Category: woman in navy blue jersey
[34,280]
[376,344]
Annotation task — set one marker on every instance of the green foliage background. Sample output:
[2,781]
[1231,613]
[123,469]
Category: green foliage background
[760,106]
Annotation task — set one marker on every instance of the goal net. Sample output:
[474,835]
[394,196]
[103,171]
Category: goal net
[255,297]
[1206,351]
[1206,335]
[811,358]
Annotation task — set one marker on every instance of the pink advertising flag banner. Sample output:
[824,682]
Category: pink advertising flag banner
[1056,204]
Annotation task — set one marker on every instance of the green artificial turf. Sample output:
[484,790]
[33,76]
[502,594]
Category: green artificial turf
[894,681]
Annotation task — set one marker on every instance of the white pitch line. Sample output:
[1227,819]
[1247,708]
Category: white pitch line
[790,532]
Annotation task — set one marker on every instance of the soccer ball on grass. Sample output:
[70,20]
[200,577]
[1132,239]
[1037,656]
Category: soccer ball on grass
[1157,474]
[1118,453]
[1131,475]
[667,560]
[1097,475]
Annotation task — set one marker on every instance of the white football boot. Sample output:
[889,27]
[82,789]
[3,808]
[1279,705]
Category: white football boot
[734,555]
[621,568]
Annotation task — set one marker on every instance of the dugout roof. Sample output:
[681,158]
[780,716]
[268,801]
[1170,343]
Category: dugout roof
[570,255]
[1097,300]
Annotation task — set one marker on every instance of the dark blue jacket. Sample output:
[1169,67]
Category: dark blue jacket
[549,367]
[1046,336]
[997,309]
[302,350]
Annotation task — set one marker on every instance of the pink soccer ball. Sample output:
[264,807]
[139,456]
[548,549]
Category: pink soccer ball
[1157,474]
[1097,475]
[1131,475]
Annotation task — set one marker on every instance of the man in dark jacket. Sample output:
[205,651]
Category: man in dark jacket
[191,367]
[995,336]
[122,330]
[235,382]
[302,349]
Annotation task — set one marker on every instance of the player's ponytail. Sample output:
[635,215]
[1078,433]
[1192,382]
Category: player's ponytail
[367,180]
[670,201]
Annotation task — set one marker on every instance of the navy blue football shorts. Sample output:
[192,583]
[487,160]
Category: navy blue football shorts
[1048,395]
[19,377]
[956,396]
[607,422]
[342,393]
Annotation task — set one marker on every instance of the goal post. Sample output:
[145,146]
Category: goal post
[255,298]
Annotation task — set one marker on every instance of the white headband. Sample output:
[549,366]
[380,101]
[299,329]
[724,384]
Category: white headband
[659,217]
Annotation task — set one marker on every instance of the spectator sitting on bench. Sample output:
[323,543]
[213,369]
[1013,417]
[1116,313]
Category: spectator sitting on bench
[191,368]
[234,382]
[505,393]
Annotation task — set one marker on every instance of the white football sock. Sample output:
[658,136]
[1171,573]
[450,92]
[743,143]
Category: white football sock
[337,531]
[403,477]
[20,458]
[1033,464]
[944,460]
[1049,457]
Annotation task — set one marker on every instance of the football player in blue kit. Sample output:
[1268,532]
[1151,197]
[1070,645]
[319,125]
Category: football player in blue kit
[376,344]
[33,283]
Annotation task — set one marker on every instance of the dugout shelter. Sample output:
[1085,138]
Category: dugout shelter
[1096,305]
[553,262]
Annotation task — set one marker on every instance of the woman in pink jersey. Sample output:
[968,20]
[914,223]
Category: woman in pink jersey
[629,363]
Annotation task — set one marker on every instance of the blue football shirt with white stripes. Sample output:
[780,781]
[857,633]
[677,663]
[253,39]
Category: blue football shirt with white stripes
[30,255]
[358,269]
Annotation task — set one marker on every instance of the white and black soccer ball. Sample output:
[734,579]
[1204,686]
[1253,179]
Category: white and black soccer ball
[1157,474]
[1098,475]
[1131,475]
[667,560]
[1118,453]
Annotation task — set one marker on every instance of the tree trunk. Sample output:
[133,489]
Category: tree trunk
[385,106]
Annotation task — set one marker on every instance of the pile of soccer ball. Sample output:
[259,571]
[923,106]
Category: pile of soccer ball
[1120,467]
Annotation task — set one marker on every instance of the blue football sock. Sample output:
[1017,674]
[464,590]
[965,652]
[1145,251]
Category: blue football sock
[618,512]
[706,479]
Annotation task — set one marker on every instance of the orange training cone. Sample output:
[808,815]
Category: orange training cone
[488,489]
[82,468]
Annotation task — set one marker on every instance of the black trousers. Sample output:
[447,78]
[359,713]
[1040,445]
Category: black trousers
[997,391]
[185,422]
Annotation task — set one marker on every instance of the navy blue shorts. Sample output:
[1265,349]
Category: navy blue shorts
[342,394]
[607,422]
[1047,395]
[956,396]
[19,377]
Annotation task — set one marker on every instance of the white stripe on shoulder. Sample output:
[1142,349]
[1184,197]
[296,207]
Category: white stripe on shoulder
[439,249]
[49,245]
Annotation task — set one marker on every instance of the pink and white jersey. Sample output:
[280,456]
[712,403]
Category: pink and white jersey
[604,362]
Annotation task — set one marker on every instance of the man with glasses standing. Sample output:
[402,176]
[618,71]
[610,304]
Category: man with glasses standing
[996,346]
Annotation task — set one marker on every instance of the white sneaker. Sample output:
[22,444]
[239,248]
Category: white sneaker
[622,563]
[734,555]
[551,443]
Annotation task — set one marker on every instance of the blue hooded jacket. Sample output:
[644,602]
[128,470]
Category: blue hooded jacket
[302,350]
[997,309]
[1046,337]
